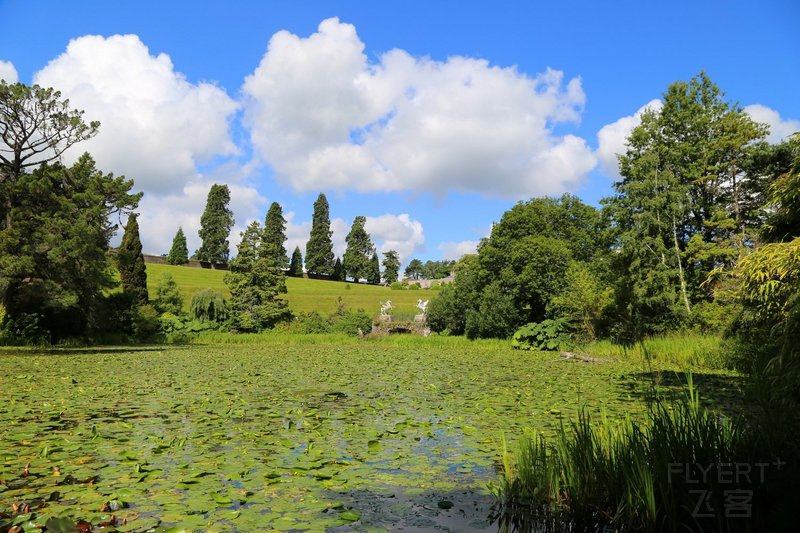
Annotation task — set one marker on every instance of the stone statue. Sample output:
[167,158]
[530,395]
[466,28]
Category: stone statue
[386,307]
[423,305]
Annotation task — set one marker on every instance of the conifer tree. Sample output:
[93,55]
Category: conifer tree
[131,262]
[374,274]
[391,266]
[296,265]
[338,271]
[275,234]
[179,253]
[319,249]
[359,250]
[215,226]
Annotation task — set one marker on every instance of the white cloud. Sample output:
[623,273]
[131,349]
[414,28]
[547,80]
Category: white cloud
[325,117]
[155,125]
[456,250]
[7,72]
[612,138]
[396,232]
[779,128]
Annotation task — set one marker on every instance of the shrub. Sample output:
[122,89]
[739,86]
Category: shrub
[496,316]
[168,296]
[25,328]
[414,286]
[396,286]
[312,322]
[209,305]
[146,323]
[353,322]
[542,336]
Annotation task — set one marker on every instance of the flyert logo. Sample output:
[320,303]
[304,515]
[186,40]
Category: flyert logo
[737,501]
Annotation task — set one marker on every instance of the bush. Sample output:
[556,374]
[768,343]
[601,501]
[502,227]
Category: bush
[168,296]
[210,306]
[541,336]
[414,286]
[353,322]
[313,322]
[495,318]
[396,286]
[146,323]
[25,328]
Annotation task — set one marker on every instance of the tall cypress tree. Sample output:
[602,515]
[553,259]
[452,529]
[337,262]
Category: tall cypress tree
[215,226]
[374,274]
[359,250]
[275,234]
[131,262]
[179,253]
[338,271]
[391,266]
[319,249]
[296,266]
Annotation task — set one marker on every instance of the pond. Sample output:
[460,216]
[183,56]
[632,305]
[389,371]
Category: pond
[366,436]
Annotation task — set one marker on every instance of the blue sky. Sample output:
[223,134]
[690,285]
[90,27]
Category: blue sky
[430,118]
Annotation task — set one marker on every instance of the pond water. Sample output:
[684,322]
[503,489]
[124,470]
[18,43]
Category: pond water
[366,437]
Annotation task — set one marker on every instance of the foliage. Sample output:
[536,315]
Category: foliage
[541,336]
[319,249]
[495,318]
[583,302]
[215,226]
[338,271]
[54,242]
[637,476]
[275,234]
[357,256]
[448,311]
[391,266]
[168,296]
[397,286]
[179,252]
[783,223]
[255,280]
[130,262]
[209,306]
[296,265]
[146,323]
[685,350]
[374,272]
[414,269]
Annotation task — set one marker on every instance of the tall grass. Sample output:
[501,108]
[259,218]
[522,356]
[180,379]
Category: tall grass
[661,475]
[685,350]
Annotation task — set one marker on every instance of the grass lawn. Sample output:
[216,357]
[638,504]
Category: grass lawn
[291,432]
[304,295]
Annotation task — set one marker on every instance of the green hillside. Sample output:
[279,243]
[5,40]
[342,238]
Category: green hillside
[304,294]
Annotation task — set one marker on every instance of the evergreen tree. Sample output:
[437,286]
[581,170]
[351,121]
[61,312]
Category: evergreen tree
[414,269]
[168,296]
[319,249]
[374,274]
[391,266]
[130,262]
[296,266]
[338,271]
[275,234]
[255,281]
[179,253]
[215,226]
[359,249]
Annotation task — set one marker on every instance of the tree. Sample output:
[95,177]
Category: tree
[338,270]
[130,262]
[356,259]
[319,249]
[374,272]
[168,296]
[391,266]
[275,234]
[296,265]
[54,242]
[215,226]
[179,253]
[37,127]
[414,269]
[255,281]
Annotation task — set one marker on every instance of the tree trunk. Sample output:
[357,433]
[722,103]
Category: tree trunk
[680,267]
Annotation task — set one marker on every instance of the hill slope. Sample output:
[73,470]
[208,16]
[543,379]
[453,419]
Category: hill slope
[304,295]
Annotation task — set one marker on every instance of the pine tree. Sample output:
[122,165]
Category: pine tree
[319,249]
[374,274]
[179,253]
[296,266]
[131,262]
[359,249]
[275,234]
[255,281]
[391,266]
[215,226]
[338,271]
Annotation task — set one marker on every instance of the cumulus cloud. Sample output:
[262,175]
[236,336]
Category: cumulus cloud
[7,72]
[612,137]
[155,125]
[325,117]
[779,128]
[456,250]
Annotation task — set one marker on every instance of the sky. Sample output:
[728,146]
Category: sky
[429,118]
